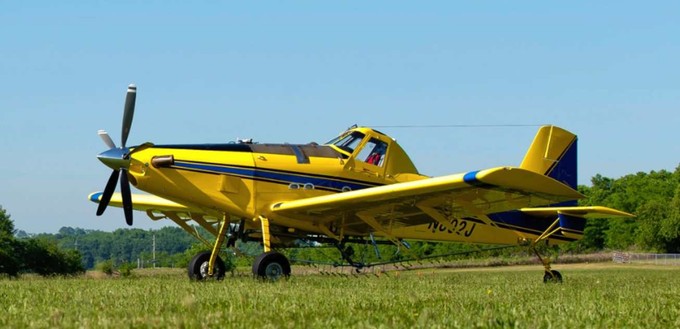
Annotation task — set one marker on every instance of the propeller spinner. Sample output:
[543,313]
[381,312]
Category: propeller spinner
[118,159]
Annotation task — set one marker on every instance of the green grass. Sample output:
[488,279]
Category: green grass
[601,296]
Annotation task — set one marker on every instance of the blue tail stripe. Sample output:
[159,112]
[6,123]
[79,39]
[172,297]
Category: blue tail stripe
[565,170]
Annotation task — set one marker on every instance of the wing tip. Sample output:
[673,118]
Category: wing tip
[95,197]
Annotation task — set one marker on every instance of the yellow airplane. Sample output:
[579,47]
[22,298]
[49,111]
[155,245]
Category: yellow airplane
[359,185]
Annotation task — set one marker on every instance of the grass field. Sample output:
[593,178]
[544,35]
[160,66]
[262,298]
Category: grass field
[594,296]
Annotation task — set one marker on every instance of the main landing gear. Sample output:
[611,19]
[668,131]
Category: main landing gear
[199,265]
[271,266]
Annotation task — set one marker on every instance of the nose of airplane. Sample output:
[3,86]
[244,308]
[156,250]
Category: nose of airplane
[115,158]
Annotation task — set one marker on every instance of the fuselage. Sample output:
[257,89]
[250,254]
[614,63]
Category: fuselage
[245,179]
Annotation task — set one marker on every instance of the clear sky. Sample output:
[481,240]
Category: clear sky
[301,71]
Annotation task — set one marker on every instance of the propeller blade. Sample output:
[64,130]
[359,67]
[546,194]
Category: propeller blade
[127,197]
[129,112]
[107,139]
[108,192]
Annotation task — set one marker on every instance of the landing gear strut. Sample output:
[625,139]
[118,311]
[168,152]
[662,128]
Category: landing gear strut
[550,275]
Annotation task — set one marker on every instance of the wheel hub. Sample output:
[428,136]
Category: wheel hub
[273,271]
[204,269]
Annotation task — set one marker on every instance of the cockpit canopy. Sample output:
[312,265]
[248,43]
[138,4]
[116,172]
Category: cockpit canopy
[373,148]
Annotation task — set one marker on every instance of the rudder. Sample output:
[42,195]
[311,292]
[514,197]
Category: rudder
[553,153]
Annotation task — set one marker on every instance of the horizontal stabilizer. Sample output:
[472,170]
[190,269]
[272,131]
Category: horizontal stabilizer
[585,212]
[572,220]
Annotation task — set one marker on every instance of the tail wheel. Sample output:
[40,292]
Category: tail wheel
[552,276]
[198,267]
[271,266]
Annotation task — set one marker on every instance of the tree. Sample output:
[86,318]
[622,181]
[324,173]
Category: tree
[6,224]
[33,255]
[670,228]
[660,225]
[649,195]
[10,264]
[44,257]
[649,216]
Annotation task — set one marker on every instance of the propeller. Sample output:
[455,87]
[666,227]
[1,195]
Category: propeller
[118,159]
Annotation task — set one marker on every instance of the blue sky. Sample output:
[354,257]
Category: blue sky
[301,71]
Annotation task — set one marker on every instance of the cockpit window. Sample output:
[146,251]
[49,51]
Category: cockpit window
[348,142]
[374,152]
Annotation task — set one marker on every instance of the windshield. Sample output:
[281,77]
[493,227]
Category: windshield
[347,142]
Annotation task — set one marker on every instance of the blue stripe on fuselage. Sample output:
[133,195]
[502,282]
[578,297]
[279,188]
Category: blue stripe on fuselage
[274,176]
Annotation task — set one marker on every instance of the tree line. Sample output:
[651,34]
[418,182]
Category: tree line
[133,245]
[653,197]
[33,255]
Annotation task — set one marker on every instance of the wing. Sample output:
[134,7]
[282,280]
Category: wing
[158,208]
[143,202]
[404,204]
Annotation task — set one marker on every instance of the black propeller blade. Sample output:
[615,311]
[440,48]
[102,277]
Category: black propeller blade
[108,192]
[127,198]
[119,159]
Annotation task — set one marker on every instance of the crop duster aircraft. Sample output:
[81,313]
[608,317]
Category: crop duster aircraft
[360,185]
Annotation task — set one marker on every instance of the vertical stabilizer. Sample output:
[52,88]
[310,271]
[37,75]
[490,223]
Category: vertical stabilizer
[553,153]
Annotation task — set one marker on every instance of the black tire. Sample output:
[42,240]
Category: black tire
[552,277]
[271,266]
[198,267]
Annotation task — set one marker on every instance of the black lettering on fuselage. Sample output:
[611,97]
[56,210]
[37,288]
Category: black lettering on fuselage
[459,227]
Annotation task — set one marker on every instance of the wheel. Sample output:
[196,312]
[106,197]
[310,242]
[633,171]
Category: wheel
[552,276]
[198,267]
[271,266]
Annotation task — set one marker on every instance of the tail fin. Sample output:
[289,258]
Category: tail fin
[553,153]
